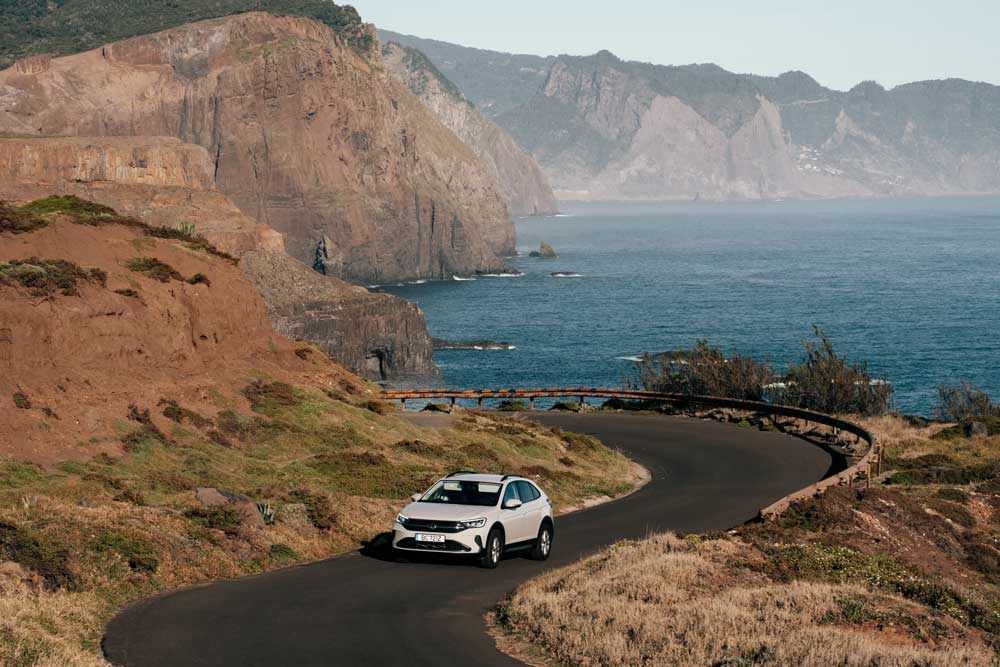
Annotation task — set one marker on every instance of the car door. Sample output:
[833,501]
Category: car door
[534,508]
[514,520]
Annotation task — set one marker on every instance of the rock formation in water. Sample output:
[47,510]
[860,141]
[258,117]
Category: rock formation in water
[306,135]
[603,128]
[165,182]
[545,251]
[520,178]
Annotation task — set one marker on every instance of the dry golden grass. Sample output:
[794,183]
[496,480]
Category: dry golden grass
[110,530]
[666,601]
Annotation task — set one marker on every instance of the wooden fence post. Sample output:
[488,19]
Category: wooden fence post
[402,404]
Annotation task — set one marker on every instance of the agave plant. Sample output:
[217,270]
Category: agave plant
[268,513]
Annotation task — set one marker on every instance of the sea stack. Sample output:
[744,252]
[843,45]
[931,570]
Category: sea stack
[545,251]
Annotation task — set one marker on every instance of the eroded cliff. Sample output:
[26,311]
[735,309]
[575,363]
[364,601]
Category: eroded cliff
[305,134]
[165,182]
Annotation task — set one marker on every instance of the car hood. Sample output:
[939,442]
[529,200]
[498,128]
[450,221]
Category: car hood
[444,512]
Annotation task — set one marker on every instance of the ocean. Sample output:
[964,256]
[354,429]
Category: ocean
[910,286]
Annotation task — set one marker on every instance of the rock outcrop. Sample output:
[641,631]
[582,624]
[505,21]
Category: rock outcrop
[521,180]
[165,182]
[305,134]
[545,251]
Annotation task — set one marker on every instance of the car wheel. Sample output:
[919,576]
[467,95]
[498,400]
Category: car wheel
[543,545]
[493,551]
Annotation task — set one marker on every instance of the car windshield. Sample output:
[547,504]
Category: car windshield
[460,492]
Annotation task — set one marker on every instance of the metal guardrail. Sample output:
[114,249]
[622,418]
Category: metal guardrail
[864,466]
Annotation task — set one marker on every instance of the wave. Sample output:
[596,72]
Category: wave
[462,279]
[566,274]
[418,282]
[494,347]
[501,275]
[635,359]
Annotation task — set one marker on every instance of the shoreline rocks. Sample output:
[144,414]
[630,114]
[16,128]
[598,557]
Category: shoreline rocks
[545,251]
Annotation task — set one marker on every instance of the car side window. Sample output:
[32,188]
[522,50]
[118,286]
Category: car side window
[527,492]
[511,493]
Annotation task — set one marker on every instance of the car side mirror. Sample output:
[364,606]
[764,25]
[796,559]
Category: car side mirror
[512,504]
[416,497]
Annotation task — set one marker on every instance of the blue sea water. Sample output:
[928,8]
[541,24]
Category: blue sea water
[910,286]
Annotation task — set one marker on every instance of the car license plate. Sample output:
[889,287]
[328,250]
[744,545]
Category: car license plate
[423,537]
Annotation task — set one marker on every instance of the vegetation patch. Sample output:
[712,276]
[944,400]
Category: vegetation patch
[79,209]
[510,405]
[153,268]
[16,474]
[139,555]
[16,221]
[225,519]
[21,401]
[36,553]
[49,277]
[369,475]
[271,398]
[180,415]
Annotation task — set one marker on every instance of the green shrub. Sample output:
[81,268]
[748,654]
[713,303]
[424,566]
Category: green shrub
[71,205]
[510,405]
[954,495]
[36,553]
[175,413]
[283,554]
[141,557]
[199,279]
[48,277]
[130,293]
[318,508]
[225,519]
[270,398]
[153,268]
[964,403]
[15,474]
[21,401]
[17,221]
[705,371]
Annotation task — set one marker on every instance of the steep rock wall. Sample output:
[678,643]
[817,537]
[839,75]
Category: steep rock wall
[306,136]
[165,182]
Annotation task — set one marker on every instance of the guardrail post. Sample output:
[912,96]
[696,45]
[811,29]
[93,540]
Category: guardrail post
[480,402]
[402,404]
[531,403]
[453,401]
[582,402]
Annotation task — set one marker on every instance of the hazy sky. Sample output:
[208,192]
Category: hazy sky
[839,42]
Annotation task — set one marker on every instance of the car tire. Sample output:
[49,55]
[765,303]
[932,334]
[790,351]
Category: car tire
[543,544]
[493,550]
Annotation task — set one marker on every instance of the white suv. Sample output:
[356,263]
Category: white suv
[463,514]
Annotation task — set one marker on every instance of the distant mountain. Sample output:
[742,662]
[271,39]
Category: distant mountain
[518,175]
[604,128]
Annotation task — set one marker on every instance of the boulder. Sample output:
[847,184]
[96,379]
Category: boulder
[210,497]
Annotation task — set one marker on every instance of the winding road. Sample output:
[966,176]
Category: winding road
[358,610]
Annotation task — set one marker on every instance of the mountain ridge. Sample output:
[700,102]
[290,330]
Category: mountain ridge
[581,116]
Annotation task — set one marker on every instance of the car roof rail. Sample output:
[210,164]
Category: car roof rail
[512,476]
[461,472]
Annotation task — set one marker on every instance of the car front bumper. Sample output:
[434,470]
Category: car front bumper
[468,541]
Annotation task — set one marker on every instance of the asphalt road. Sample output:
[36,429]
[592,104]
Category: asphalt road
[362,610]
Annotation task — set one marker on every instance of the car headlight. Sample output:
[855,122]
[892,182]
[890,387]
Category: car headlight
[474,523]
[401,519]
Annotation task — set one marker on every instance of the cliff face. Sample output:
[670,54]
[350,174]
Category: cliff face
[305,135]
[521,180]
[165,182]
[603,128]
[119,337]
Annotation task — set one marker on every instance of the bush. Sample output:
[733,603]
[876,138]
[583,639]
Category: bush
[270,397]
[140,556]
[69,205]
[705,371]
[964,403]
[826,382]
[47,277]
[153,268]
[18,221]
[216,518]
[21,401]
[512,406]
[34,552]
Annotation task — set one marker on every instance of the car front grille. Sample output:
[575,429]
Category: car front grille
[430,526]
[448,545]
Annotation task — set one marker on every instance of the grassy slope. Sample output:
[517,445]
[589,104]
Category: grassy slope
[905,573]
[312,470]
